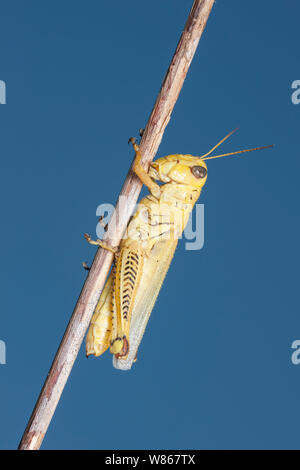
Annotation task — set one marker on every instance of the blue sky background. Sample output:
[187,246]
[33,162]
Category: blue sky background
[214,368]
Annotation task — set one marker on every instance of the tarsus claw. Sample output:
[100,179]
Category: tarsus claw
[85,266]
[131,140]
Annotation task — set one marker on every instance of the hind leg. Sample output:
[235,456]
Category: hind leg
[99,334]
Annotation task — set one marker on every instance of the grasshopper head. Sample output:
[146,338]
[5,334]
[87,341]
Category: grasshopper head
[182,169]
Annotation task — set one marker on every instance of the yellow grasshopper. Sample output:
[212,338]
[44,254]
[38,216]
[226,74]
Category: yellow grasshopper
[144,255]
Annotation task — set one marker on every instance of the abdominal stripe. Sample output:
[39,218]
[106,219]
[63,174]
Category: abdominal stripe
[129,281]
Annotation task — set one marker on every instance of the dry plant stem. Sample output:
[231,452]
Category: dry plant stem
[76,329]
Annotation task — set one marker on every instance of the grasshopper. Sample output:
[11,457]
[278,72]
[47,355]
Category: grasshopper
[144,256]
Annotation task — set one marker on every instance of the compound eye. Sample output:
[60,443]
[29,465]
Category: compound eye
[199,171]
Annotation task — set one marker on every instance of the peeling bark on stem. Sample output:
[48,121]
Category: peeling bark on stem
[89,296]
